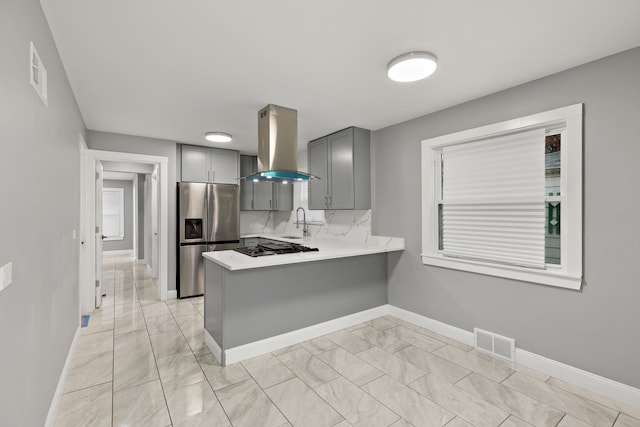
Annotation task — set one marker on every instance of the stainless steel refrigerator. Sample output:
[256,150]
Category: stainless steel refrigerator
[208,220]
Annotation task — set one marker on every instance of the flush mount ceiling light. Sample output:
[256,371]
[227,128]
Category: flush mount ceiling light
[412,66]
[217,137]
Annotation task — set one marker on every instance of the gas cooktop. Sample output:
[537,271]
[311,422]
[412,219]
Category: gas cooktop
[263,247]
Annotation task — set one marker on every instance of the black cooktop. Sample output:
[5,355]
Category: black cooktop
[255,247]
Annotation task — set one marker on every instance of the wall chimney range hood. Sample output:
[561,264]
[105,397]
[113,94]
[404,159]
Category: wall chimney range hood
[278,146]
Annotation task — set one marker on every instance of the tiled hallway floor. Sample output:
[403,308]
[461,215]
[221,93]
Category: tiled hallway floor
[142,362]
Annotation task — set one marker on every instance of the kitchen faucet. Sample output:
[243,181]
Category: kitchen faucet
[305,226]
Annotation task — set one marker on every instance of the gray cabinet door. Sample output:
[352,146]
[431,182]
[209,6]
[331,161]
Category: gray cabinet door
[283,197]
[318,165]
[262,196]
[224,166]
[341,170]
[247,167]
[195,164]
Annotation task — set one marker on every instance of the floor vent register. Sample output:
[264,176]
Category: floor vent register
[495,344]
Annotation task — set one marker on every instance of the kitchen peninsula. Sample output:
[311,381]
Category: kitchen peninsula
[256,305]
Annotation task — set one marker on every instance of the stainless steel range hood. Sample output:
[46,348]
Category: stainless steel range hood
[278,146]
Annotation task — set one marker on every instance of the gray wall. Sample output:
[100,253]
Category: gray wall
[140,194]
[153,147]
[40,199]
[127,242]
[595,329]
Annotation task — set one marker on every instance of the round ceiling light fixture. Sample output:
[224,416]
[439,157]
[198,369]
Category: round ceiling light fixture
[412,66]
[217,137]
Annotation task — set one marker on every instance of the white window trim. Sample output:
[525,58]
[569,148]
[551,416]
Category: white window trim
[569,273]
[314,217]
[120,235]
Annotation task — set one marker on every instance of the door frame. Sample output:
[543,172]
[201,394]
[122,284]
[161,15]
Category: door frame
[87,215]
[155,255]
[84,276]
[134,195]
[98,186]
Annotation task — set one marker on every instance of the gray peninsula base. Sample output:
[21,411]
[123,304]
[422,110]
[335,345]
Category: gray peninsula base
[244,306]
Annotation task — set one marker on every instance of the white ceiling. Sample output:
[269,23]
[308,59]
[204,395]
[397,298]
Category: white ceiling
[176,69]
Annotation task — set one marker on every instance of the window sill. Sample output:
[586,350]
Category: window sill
[544,277]
[111,239]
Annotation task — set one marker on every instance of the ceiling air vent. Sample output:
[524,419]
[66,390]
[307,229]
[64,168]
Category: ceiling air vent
[495,344]
[38,74]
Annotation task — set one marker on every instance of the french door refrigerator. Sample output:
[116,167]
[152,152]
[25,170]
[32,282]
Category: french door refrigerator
[208,220]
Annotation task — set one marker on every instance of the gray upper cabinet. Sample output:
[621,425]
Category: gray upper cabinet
[246,188]
[195,164]
[262,196]
[202,164]
[343,162]
[282,197]
[318,158]
[225,166]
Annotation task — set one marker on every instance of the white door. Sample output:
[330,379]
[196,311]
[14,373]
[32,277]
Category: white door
[147,220]
[98,235]
[135,218]
[154,223]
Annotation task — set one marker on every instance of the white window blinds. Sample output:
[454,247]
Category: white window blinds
[113,212]
[493,199]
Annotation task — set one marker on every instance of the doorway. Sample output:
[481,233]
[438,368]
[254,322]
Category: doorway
[155,201]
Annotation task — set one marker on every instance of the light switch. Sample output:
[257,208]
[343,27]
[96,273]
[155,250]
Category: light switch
[6,276]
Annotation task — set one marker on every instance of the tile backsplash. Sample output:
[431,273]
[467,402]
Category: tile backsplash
[345,224]
[255,222]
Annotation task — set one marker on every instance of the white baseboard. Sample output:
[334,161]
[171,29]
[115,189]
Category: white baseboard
[57,396]
[128,252]
[586,380]
[213,346]
[445,329]
[172,294]
[247,351]
[592,382]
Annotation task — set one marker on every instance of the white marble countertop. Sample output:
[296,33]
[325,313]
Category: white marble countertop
[328,248]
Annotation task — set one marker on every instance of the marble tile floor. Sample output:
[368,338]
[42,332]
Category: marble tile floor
[142,362]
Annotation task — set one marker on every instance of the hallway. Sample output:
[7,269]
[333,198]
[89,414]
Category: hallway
[136,354]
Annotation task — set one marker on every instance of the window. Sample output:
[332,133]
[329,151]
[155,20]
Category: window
[506,199]
[113,213]
[313,217]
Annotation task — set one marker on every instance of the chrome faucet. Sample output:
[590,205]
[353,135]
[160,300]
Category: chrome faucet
[305,226]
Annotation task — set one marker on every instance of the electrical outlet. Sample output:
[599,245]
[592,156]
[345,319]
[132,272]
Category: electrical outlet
[6,276]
